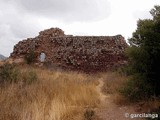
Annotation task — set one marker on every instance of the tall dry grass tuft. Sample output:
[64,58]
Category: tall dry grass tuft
[53,96]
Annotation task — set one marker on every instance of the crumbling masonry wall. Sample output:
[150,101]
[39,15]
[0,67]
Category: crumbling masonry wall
[84,53]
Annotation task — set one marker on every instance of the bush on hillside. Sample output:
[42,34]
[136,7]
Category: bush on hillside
[30,57]
[9,73]
[136,89]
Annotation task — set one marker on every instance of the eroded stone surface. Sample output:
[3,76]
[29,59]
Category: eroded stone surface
[84,53]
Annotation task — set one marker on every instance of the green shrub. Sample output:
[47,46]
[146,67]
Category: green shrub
[125,70]
[143,59]
[30,57]
[9,73]
[137,89]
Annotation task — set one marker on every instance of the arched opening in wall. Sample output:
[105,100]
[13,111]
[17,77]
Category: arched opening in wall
[42,57]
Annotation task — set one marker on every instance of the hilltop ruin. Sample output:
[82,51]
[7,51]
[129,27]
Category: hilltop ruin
[84,53]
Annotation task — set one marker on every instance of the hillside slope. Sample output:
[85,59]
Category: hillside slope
[2,57]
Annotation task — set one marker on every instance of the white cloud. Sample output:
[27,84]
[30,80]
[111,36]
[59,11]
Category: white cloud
[14,27]
[66,10]
[20,19]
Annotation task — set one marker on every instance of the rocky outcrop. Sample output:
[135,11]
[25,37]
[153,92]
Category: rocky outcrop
[84,53]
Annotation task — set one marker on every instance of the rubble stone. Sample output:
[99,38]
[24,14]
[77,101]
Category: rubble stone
[82,53]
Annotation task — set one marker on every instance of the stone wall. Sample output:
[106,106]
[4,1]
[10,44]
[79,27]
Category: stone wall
[84,53]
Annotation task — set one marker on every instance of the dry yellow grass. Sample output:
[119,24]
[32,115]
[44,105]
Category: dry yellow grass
[112,83]
[55,96]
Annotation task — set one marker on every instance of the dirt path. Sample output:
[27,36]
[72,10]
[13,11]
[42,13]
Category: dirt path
[99,88]
[109,110]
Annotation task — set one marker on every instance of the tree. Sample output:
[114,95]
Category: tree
[144,53]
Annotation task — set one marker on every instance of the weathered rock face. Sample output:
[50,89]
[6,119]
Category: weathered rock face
[84,53]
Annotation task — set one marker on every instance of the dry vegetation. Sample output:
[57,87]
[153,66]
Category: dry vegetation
[53,96]
[113,81]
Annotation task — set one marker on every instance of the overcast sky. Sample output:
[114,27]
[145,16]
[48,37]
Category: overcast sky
[21,19]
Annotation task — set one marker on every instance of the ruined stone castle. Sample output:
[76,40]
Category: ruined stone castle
[82,53]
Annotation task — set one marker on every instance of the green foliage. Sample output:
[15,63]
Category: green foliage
[30,57]
[155,12]
[88,115]
[136,89]
[144,58]
[136,63]
[9,73]
[138,60]
[125,70]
